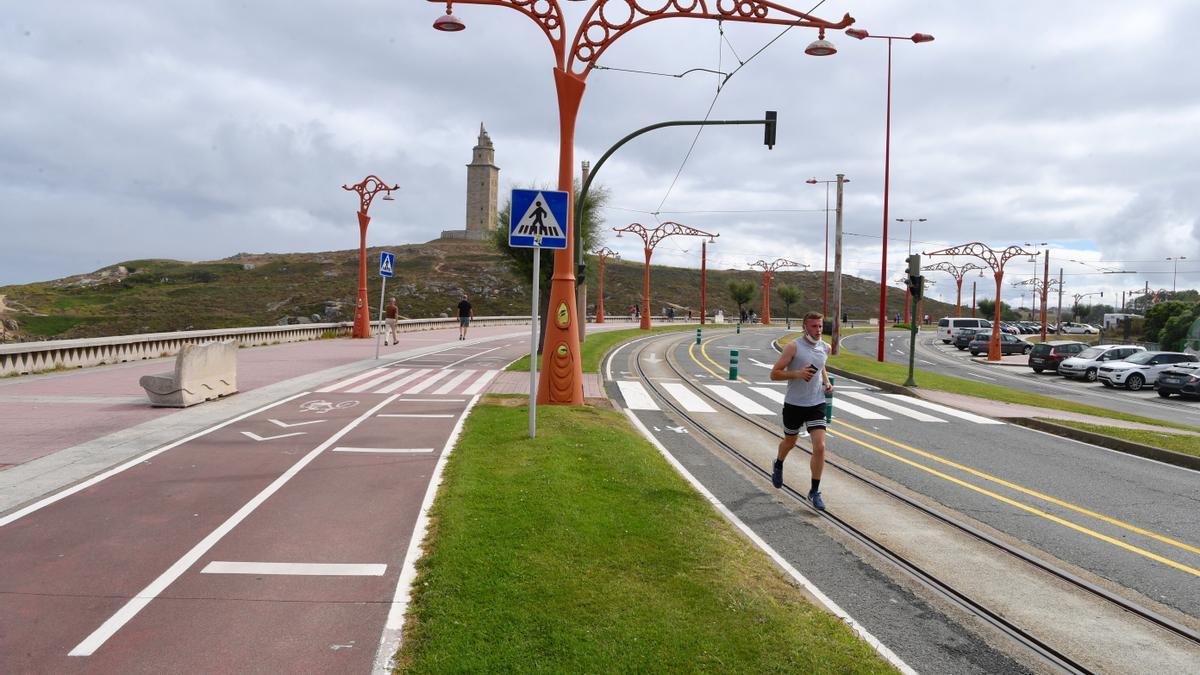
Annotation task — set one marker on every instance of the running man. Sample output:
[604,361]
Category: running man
[802,366]
[465,314]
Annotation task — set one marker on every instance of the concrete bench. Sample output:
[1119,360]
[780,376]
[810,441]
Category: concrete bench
[202,372]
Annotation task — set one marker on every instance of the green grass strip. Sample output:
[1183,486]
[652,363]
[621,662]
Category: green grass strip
[583,551]
[597,344]
[1189,445]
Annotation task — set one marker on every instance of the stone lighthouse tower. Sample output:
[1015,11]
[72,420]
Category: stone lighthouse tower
[483,184]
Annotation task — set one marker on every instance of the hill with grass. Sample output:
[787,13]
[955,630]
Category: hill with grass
[249,289]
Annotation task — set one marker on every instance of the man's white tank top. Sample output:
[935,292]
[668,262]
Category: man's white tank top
[809,393]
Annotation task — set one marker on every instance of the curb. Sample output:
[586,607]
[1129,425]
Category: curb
[1118,444]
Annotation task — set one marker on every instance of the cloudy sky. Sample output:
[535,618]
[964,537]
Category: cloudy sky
[199,130]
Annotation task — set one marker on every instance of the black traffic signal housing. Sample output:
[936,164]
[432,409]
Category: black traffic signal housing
[769,130]
[916,282]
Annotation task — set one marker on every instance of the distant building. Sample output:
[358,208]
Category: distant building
[483,187]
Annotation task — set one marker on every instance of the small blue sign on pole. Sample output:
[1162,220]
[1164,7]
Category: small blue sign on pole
[539,218]
[387,264]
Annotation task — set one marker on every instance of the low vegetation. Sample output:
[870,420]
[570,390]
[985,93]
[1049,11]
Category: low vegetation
[1184,443]
[583,551]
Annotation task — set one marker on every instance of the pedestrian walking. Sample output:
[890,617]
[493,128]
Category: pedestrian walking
[465,314]
[390,314]
[802,366]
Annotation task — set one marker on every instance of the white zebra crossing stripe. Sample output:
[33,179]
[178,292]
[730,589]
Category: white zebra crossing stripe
[635,395]
[888,405]
[481,382]
[690,401]
[776,396]
[350,380]
[403,381]
[429,382]
[841,406]
[738,401]
[947,410]
[458,379]
[377,381]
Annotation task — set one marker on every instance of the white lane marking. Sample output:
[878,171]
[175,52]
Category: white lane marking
[468,358]
[481,382]
[458,379]
[428,382]
[393,451]
[299,569]
[946,410]
[771,384]
[431,400]
[738,401]
[358,389]
[351,380]
[888,405]
[402,381]
[840,405]
[256,437]
[769,393]
[414,414]
[688,399]
[985,377]
[635,395]
[114,623]
[285,425]
[389,640]
[779,560]
[16,515]
[756,362]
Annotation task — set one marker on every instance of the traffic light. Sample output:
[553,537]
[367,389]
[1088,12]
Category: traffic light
[916,282]
[769,130]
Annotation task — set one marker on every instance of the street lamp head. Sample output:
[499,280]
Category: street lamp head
[921,37]
[712,240]
[388,197]
[857,34]
[811,181]
[448,22]
[820,46]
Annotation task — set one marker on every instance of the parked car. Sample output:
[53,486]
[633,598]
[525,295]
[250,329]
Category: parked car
[1010,328]
[1009,344]
[1182,379]
[949,326]
[1140,369]
[1047,355]
[1072,328]
[965,335]
[1087,363]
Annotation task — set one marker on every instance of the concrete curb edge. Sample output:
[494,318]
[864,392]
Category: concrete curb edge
[1118,444]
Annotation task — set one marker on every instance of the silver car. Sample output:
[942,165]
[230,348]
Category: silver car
[1087,364]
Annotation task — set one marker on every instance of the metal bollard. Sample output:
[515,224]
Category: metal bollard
[697,336]
[733,363]
[829,403]
[739,328]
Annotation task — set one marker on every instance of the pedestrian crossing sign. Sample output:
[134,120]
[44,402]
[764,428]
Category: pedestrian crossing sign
[387,264]
[538,218]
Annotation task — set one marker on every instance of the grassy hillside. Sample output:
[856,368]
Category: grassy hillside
[140,296]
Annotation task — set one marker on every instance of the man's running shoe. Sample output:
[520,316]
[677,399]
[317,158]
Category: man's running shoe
[777,474]
[817,502]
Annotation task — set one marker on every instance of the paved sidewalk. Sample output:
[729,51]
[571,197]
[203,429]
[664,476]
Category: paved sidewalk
[518,383]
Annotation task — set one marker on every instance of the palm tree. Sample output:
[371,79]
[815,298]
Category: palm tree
[742,292]
[790,296]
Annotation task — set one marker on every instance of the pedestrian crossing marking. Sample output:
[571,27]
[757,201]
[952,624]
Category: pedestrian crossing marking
[351,380]
[481,382]
[396,372]
[769,393]
[457,380]
[635,395]
[737,400]
[429,381]
[888,405]
[403,381]
[840,405]
[946,410]
[690,401]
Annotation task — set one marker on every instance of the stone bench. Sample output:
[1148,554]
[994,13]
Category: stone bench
[202,372]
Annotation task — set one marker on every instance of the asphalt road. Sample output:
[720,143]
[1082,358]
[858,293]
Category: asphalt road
[934,356]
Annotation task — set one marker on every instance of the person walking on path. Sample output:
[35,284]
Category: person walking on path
[802,366]
[465,314]
[390,313]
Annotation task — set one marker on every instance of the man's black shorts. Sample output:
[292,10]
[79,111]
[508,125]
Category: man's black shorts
[796,416]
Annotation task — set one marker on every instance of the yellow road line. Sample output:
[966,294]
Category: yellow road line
[704,352]
[1033,493]
[692,353]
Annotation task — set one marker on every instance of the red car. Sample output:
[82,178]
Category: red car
[1047,355]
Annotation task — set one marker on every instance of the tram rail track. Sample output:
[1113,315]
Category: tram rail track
[1041,649]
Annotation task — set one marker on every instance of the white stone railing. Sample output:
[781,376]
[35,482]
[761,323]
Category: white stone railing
[33,357]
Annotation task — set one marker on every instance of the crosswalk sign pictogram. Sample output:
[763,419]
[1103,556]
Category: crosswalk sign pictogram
[387,264]
[538,218]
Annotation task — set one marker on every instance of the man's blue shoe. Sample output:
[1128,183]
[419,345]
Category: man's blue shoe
[777,474]
[817,502]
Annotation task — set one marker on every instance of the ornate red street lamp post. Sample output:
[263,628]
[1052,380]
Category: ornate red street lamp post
[605,21]
[995,260]
[1042,287]
[602,253]
[958,272]
[367,189]
[768,269]
[650,239]
[887,163]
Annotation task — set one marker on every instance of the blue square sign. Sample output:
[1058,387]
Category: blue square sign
[387,264]
[538,218]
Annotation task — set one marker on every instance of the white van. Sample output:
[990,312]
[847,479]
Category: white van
[950,327]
